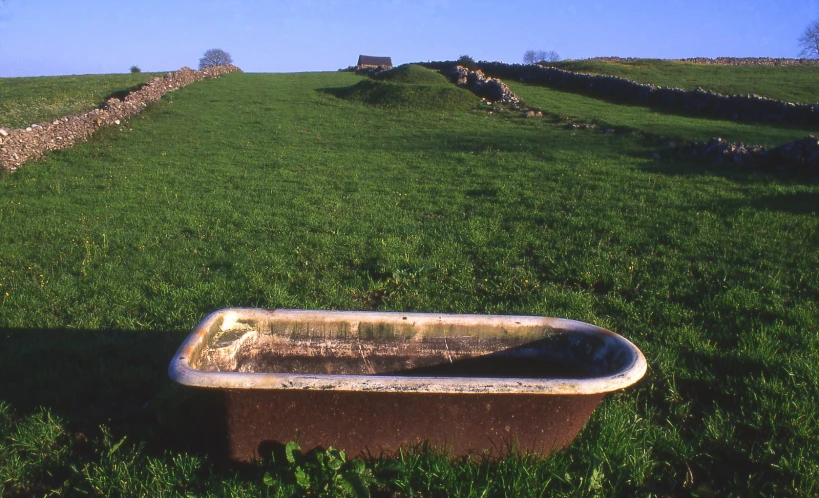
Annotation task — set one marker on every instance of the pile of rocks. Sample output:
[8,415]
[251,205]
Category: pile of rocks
[20,145]
[729,61]
[490,88]
[800,157]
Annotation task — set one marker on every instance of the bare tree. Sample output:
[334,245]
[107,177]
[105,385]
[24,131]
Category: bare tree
[540,56]
[215,57]
[809,41]
[530,57]
[552,56]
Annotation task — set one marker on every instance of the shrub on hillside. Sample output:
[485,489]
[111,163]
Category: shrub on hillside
[136,69]
[466,61]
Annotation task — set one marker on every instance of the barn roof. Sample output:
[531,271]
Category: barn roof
[369,60]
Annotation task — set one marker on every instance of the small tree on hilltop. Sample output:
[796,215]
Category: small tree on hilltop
[466,61]
[809,41]
[551,56]
[529,57]
[215,57]
[540,56]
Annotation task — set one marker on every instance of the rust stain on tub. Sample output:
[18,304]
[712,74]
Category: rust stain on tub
[374,425]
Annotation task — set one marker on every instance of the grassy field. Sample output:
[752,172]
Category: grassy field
[269,190]
[657,122]
[24,101]
[792,84]
[408,87]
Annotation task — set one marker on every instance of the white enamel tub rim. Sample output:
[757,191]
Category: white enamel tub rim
[181,370]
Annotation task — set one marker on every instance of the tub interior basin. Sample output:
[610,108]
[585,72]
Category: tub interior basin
[407,345]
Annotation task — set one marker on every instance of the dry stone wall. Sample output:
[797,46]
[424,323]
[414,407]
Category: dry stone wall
[699,101]
[20,145]
[481,85]
[797,158]
[728,61]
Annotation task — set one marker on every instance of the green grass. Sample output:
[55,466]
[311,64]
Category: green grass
[654,121]
[25,101]
[389,94]
[792,84]
[266,190]
[413,74]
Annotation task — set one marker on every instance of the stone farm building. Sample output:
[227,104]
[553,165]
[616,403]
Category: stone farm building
[370,61]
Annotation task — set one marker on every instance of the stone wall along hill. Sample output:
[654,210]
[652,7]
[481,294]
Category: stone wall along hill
[797,158]
[727,61]
[699,101]
[20,145]
[481,85]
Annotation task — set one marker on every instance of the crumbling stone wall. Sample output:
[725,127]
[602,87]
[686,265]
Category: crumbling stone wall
[729,61]
[800,157]
[699,101]
[20,145]
[481,85]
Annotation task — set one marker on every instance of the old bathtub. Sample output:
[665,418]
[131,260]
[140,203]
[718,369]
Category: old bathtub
[372,382]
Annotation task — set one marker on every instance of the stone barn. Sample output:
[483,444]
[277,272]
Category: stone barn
[370,61]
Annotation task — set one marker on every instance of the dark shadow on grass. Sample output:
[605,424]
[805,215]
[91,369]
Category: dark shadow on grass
[729,393]
[670,164]
[340,92]
[114,378]
[121,94]
[793,203]
[722,464]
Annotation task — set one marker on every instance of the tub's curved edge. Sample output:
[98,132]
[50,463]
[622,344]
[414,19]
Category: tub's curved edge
[180,369]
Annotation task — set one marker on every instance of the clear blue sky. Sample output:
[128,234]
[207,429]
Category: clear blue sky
[49,37]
